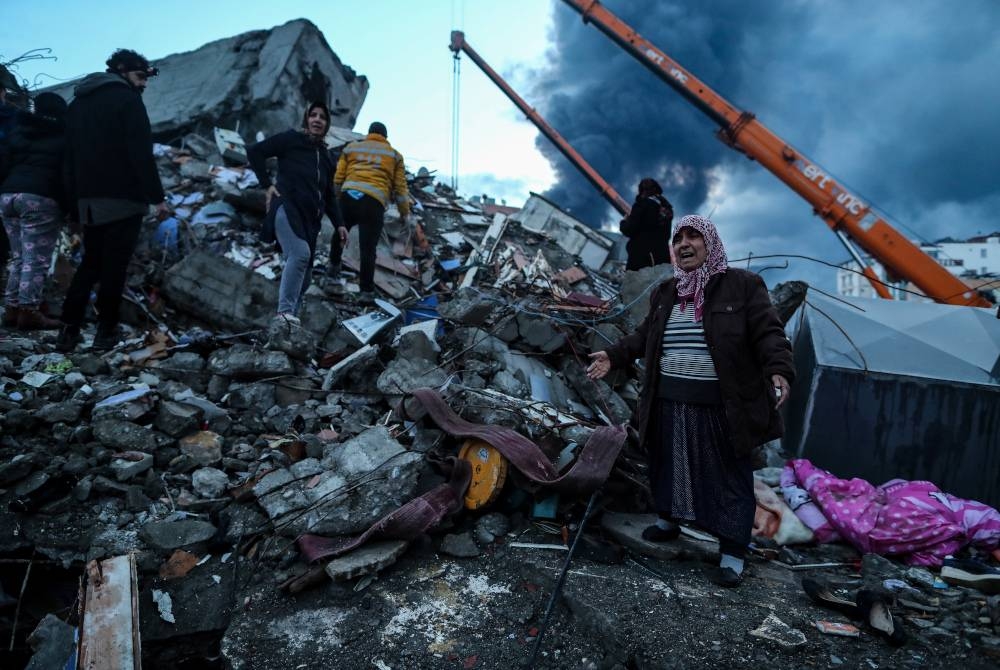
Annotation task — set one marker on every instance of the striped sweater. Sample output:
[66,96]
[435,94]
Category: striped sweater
[687,372]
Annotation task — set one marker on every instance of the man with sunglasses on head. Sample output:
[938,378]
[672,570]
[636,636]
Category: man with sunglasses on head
[111,174]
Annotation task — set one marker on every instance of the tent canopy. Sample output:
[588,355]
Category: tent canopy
[913,339]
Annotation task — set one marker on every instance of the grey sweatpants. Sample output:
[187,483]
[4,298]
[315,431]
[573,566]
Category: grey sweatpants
[296,275]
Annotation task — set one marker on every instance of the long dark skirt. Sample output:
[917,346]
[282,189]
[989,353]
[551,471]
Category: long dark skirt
[695,475]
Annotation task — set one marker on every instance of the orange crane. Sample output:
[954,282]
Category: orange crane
[844,212]
[458,44]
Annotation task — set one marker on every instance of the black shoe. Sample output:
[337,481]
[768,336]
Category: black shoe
[366,298]
[821,594]
[107,337]
[69,337]
[725,577]
[656,534]
[875,612]
[971,574]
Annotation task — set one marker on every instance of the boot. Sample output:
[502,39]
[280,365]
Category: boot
[69,337]
[10,313]
[30,318]
[107,337]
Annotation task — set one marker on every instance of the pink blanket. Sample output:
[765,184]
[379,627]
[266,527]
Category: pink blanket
[914,521]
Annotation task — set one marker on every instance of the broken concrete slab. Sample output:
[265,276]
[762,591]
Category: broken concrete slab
[242,361]
[402,375]
[365,560]
[338,495]
[469,307]
[776,630]
[61,412]
[53,642]
[460,545]
[131,465]
[239,81]
[598,394]
[626,529]
[124,436]
[178,419]
[540,332]
[170,535]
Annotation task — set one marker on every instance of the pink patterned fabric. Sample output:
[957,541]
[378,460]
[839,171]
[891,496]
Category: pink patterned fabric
[912,520]
[691,285]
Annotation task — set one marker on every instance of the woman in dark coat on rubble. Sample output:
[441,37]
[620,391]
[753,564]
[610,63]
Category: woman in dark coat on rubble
[296,204]
[647,227]
[717,368]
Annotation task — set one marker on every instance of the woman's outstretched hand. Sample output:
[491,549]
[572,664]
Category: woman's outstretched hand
[781,389]
[600,365]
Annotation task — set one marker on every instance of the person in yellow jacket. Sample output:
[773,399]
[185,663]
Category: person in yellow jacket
[370,175]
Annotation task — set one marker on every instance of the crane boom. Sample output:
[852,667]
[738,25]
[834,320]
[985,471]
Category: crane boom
[608,192]
[840,209]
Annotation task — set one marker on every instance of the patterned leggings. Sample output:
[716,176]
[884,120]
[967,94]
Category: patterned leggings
[32,224]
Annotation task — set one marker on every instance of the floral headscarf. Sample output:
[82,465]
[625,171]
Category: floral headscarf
[691,285]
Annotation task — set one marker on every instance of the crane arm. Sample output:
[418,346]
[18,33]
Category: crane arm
[839,208]
[458,44]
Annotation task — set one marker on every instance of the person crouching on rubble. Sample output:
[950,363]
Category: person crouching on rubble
[717,368]
[295,205]
[33,205]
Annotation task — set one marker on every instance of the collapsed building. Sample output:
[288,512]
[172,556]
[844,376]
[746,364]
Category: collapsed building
[391,487]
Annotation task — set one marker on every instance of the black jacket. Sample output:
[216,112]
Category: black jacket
[305,181]
[109,145]
[747,344]
[648,228]
[36,150]
[7,115]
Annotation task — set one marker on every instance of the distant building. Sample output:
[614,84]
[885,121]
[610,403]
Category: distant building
[975,261]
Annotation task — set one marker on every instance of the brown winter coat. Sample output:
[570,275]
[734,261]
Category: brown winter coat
[747,345]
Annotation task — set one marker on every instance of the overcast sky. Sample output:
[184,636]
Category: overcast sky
[898,100]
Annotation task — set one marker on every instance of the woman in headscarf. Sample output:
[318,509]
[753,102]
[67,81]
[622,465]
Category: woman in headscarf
[296,204]
[717,368]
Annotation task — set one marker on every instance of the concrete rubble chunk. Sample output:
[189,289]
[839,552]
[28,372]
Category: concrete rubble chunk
[178,419]
[203,447]
[626,529]
[365,560]
[243,361]
[124,436]
[469,307]
[460,545]
[135,464]
[61,412]
[540,332]
[598,394]
[491,526]
[292,339]
[333,496]
[53,643]
[169,535]
[402,375]
[209,482]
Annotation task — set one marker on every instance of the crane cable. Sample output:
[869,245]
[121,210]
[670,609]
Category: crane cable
[456,71]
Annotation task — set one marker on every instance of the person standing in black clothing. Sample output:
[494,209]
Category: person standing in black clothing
[33,203]
[8,112]
[648,227]
[111,174]
[296,204]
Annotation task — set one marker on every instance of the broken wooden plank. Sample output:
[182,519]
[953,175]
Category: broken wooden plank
[109,638]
